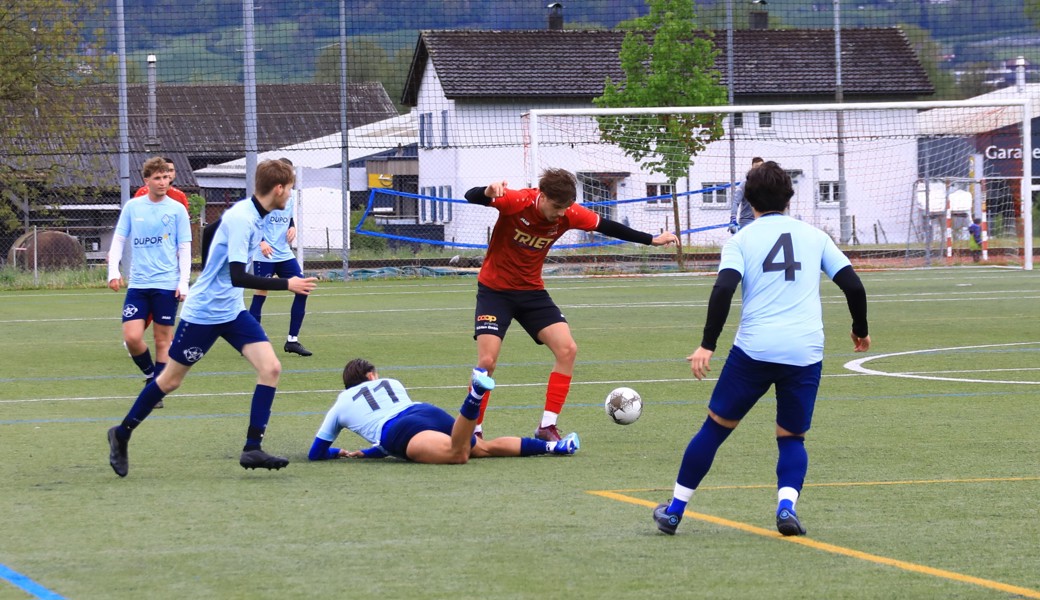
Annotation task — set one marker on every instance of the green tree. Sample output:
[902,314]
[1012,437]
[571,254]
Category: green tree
[48,139]
[667,61]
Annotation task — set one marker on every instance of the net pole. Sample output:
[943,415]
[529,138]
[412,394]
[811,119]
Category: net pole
[949,226]
[985,222]
[534,145]
[1027,186]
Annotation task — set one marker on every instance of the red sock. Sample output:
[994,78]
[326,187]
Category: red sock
[483,405]
[556,392]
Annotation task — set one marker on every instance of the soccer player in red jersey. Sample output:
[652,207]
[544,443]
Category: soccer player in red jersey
[510,285]
[171,191]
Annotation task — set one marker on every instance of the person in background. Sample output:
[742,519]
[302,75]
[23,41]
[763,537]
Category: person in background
[275,258]
[159,233]
[740,212]
[975,239]
[171,191]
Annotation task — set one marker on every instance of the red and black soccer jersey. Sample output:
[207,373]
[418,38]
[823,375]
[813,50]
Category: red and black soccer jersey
[522,237]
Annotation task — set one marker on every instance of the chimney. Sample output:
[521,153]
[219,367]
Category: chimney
[555,16]
[758,17]
[1020,74]
[152,143]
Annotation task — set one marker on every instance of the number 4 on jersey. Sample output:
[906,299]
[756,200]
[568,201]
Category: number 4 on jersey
[789,265]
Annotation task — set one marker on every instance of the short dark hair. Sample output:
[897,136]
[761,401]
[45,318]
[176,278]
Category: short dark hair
[559,186]
[756,160]
[356,372]
[768,188]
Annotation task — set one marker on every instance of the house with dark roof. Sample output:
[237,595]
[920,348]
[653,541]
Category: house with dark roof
[474,90]
[194,125]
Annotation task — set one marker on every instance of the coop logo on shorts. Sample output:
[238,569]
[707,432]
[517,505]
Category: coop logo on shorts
[488,318]
[129,310]
[193,354]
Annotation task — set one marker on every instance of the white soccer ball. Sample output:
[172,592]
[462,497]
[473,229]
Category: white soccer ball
[623,405]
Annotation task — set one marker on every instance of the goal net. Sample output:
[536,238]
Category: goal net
[894,184]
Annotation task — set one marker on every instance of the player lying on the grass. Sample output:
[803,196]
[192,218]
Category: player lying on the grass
[380,411]
[215,309]
[777,261]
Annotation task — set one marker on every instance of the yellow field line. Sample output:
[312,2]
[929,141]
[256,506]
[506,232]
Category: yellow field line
[825,547]
[843,484]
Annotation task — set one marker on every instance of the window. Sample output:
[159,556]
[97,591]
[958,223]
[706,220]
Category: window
[444,128]
[433,206]
[447,208]
[717,194]
[425,130]
[738,120]
[829,192]
[765,120]
[659,189]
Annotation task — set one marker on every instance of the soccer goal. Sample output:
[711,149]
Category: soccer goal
[895,184]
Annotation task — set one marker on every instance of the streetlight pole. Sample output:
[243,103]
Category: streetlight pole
[839,97]
[729,98]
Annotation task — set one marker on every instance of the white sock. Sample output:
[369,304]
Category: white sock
[683,493]
[787,493]
[291,338]
[549,418]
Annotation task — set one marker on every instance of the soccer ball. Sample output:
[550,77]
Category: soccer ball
[623,405]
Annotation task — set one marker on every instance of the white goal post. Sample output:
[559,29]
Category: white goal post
[900,185]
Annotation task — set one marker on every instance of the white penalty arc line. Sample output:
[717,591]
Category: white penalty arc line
[857,365]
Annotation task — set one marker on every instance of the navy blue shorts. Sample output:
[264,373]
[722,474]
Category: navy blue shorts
[284,269]
[141,302]
[744,380]
[192,341]
[399,430]
[533,309]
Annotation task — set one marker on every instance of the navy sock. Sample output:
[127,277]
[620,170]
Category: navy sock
[700,453]
[792,462]
[140,410]
[533,447]
[296,314]
[159,366]
[144,362]
[259,415]
[257,306]
[470,408]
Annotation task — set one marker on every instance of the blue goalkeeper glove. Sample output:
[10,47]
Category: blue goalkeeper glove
[733,226]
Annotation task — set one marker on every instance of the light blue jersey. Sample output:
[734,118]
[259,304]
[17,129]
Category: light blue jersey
[364,409]
[154,230]
[213,300]
[780,259]
[276,224]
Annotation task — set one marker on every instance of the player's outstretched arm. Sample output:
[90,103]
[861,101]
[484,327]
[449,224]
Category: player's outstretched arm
[665,239]
[323,450]
[302,285]
[856,298]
